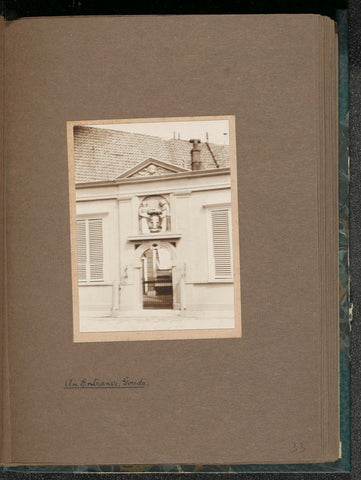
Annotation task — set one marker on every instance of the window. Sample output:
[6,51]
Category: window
[220,243]
[89,234]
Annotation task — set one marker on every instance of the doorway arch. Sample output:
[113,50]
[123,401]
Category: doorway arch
[158,276]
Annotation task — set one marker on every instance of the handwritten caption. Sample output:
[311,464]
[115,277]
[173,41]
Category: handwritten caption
[94,383]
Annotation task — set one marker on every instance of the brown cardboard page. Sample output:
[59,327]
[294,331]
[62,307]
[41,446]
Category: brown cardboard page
[255,399]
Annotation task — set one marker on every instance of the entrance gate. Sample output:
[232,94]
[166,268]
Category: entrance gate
[157,278]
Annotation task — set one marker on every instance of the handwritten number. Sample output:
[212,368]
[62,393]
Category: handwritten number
[297,447]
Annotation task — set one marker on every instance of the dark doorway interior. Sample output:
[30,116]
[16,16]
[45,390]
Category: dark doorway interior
[157,279]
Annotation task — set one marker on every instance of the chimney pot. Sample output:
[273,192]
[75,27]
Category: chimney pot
[196,154]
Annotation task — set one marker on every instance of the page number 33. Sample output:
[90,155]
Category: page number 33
[297,447]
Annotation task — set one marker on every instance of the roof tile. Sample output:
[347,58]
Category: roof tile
[103,154]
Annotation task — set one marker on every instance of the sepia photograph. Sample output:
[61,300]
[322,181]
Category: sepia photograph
[155,248]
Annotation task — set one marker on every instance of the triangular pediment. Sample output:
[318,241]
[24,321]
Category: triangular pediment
[152,168]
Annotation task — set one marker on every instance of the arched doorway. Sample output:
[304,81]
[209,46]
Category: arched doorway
[157,278]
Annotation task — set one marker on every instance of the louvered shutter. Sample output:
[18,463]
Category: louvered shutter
[81,249]
[222,243]
[95,227]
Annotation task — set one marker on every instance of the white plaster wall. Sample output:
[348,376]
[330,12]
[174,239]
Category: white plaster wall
[119,206]
[95,297]
[209,297]
[200,293]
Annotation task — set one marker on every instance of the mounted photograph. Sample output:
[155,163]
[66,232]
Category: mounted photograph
[154,229]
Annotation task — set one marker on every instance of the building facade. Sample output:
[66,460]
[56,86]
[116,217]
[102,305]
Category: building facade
[154,229]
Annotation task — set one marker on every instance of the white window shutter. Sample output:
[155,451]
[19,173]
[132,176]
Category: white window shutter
[89,233]
[95,226]
[222,243]
[81,249]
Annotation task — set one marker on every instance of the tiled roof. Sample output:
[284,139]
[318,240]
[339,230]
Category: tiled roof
[103,155]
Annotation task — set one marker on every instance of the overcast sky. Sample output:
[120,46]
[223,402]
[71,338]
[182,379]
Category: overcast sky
[218,130]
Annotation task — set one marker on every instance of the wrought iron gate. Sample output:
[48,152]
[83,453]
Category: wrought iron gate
[158,292]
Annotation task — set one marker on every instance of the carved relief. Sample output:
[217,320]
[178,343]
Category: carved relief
[154,215]
[152,170]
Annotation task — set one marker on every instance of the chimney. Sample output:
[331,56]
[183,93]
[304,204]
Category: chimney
[196,154]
